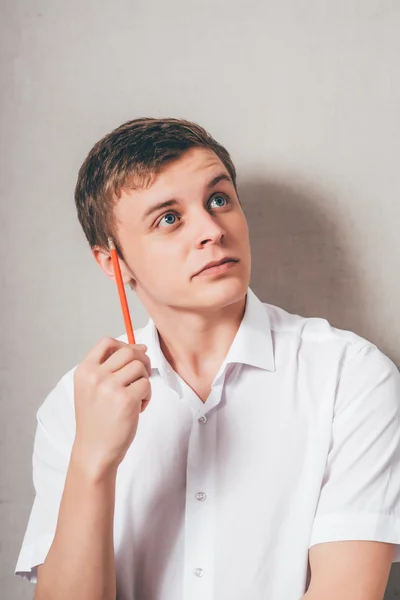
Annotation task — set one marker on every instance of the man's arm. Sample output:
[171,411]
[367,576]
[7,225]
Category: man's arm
[357,520]
[111,389]
[80,562]
[350,570]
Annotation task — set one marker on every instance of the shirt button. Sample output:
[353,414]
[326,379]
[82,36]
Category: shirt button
[203,419]
[198,572]
[201,496]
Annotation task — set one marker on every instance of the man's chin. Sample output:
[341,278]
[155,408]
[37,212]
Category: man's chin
[207,295]
[221,292]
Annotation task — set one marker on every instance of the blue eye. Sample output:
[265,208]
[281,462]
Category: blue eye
[219,198]
[165,217]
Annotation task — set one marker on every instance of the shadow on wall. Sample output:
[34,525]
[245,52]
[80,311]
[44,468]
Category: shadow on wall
[300,261]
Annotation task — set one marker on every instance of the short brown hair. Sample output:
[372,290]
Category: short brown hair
[131,155]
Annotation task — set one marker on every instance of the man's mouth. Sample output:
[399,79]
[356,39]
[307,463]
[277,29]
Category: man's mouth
[217,266]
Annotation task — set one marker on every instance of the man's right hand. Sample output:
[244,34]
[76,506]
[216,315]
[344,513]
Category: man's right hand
[111,389]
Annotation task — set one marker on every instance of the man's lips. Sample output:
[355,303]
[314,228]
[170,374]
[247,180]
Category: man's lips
[216,263]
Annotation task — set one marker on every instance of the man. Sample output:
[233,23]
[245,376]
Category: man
[243,452]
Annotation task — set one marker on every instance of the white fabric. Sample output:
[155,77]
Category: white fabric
[297,444]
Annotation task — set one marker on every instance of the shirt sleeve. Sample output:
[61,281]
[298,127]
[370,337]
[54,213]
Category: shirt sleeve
[55,432]
[360,494]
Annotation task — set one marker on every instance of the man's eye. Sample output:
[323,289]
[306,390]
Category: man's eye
[218,198]
[166,217]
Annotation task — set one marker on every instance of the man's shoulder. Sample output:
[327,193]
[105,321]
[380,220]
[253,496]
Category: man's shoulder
[313,331]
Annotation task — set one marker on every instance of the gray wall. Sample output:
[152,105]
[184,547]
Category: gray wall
[304,93]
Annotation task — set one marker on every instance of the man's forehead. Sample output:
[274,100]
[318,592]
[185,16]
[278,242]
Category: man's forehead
[194,161]
[197,166]
[199,169]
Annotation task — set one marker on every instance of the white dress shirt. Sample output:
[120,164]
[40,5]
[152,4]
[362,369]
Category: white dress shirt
[298,443]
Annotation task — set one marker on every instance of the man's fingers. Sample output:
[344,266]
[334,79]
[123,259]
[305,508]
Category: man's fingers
[102,349]
[124,356]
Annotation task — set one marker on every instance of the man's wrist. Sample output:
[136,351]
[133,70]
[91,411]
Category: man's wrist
[89,470]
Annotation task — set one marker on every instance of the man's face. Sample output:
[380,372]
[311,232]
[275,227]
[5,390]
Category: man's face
[165,248]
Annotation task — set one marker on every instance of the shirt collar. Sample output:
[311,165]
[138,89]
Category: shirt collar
[252,344]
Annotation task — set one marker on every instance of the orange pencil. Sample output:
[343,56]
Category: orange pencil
[121,291]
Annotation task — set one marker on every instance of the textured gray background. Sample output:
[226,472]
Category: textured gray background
[304,93]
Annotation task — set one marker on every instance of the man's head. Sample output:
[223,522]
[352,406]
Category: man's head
[147,162]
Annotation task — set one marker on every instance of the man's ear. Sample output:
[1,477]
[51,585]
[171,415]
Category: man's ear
[104,260]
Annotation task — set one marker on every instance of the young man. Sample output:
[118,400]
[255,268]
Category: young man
[265,463]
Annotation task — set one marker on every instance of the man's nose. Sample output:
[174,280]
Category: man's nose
[207,229]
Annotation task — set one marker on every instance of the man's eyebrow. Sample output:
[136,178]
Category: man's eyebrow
[159,206]
[173,201]
[217,179]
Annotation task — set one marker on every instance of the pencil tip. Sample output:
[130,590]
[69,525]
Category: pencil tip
[111,244]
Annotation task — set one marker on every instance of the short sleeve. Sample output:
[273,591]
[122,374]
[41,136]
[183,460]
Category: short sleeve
[360,495]
[54,437]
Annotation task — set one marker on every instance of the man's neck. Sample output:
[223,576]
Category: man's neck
[195,345]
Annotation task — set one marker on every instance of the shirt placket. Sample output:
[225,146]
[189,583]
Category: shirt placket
[200,513]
